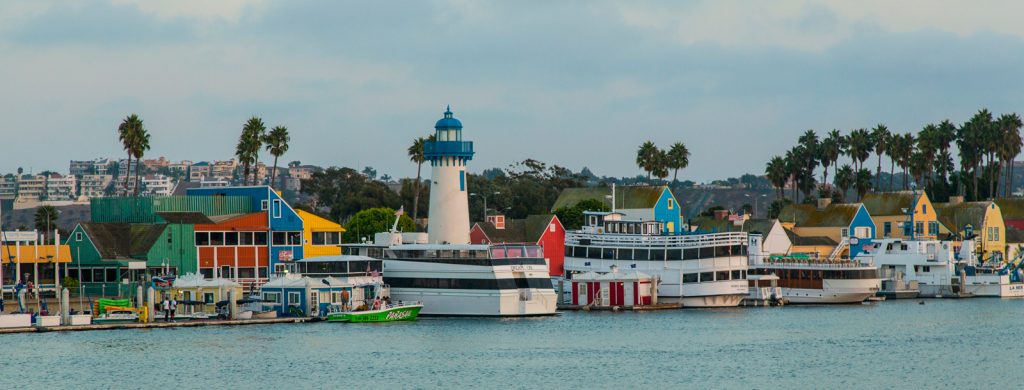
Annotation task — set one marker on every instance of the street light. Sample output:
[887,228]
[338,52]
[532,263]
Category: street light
[756,199]
[484,196]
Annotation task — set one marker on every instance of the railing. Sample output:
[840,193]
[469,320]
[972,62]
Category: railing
[801,263]
[678,241]
[448,148]
[838,250]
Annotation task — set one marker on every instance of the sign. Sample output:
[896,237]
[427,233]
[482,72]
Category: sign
[285,255]
[22,236]
[136,265]
[854,240]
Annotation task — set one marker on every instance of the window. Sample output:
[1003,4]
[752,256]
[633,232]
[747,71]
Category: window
[202,238]
[231,238]
[293,298]
[462,181]
[112,275]
[277,208]
[671,204]
[245,238]
[272,297]
[933,228]
[208,298]
[326,238]
[280,238]
[260,238]
[551,227]
[736,275]
[919,228]
[707,276]
[722,275]
[263,205]
[294,238]
[887,229]
[78,236]
[862,232]
[689,278]
[844,232]
[216,238]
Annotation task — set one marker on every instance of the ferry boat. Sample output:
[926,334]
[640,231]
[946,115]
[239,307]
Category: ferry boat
[808,280]
[696,270]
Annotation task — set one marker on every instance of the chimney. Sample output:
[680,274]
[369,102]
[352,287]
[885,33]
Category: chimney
[955,200]
[823,203]
[721,214]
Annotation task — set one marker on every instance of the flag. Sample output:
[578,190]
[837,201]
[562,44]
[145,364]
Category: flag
[401,210]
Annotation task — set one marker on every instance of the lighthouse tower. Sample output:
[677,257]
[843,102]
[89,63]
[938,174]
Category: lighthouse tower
[449,201]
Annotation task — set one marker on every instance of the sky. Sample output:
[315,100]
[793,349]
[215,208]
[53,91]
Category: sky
[573,83]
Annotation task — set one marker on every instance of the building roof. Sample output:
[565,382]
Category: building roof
[182,188]
[123,240]
[196,280]
[626,197]
[955,216]
[810,240]
[1012,208]
[711,225]
[448,122]
[299,281]
[889,203]
[528,230]
[808,215]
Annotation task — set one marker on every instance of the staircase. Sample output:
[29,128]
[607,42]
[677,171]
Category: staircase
[843,244]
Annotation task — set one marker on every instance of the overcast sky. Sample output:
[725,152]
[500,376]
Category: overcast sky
[573,83]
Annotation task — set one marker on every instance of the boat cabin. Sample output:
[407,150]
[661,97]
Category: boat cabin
[301,296]
[603,222]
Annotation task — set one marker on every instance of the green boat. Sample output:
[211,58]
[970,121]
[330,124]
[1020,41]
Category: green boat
[391,313]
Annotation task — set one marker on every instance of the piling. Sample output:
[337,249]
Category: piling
[150,295]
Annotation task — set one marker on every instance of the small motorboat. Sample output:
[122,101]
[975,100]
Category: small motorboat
[118,315]
[264,315]
[402,311]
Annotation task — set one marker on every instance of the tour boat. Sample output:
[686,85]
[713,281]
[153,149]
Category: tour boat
[402,311]
[812,281]
[696,270]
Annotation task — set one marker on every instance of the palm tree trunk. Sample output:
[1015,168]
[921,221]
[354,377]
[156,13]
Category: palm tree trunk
[416,195]
[878,173]
[1009,181]
[137,170]
[675,175]
[128,173]
[273,172]
[892,169]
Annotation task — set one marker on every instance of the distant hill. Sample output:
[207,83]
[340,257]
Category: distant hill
[69,217]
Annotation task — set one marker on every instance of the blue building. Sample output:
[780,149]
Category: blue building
[640,203]
[302,296]
[286,227]
[845,223]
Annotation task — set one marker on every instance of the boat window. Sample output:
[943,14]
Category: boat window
[707,277]
[593,253]
[533,252]
[691,254]
[568,250]
[641,254]
[657,254]
[689,278]
[446,254]
[743,274]
[736,274]
[624,254]
[675,254]
[609,253]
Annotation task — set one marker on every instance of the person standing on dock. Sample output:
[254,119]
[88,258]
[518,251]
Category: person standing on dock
[167,309]
[174,307]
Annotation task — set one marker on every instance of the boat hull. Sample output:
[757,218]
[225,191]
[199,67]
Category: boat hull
[710,301]
[402,313]
[486,303]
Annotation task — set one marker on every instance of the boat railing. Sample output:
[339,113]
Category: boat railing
[839,264]
[674,241]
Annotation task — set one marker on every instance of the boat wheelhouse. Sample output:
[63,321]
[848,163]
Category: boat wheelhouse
[696,270]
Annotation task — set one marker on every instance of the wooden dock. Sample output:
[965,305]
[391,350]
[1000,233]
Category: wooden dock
[153,325]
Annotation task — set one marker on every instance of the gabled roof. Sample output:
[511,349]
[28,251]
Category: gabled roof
[122,240]
[527,230]
[889,203]
[1012,208]
[711,225]
[626,197]
[810,240]
[955,216]
[808,215]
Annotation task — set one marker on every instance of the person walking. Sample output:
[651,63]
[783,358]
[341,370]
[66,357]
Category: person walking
[174,307]
[167,309]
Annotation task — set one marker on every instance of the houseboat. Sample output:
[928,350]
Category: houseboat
[809,280]
[696,270]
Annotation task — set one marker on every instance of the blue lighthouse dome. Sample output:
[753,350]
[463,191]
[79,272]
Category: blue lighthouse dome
[448,122]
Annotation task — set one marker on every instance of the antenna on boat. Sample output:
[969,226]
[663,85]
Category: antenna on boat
[398,216]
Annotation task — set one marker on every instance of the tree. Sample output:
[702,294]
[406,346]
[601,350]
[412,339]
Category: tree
[859,147]
[572,216]
[366,223]
[863,183]
[880,138]
[277,144]
[140,144]
[829,152]
[844,179]
[344,192]
[678,158]
[660,165]
[1010,146]
[646,156]
[370,173]
[127,132]
[249,144]
[416,155]
[45,218]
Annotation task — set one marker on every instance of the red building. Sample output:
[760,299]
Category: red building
[234,248]
[544,230]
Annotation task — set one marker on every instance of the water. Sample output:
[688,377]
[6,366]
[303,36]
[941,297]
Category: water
[944,343]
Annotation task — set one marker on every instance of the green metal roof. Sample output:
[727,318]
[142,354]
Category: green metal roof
[148,209]
[1012,208]
[711,225]
[955,216]
[118,241]
[808,215]
[889,203]
[626,197]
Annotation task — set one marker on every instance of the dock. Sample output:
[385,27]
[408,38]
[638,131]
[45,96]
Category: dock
[155,325]
[660,306]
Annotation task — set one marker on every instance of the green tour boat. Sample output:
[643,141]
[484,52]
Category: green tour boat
[404,311]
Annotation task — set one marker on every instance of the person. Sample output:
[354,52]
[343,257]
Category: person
[167,309]
[31,289]
[344,300]
[376,303]
[174,307]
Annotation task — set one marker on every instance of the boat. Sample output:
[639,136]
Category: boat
[764,291]
[402,311]
[117,315]
[995,279]
[895,287]
[694,269]
[806,280]
[264,315]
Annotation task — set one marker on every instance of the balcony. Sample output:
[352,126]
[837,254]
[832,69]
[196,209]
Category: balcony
[437,149]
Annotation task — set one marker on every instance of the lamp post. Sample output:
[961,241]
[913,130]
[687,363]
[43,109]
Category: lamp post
[756,199]
[484,196]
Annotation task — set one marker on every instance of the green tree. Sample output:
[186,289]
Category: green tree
[572,216]
[277,144]
[249,144]
[880,138]
[860,147]
[863,183]
[344,192]
[416,155]
[678,158]
[128,132]
[140,144]
[366,223]
[1010,146]
[46,219]
[828,152]
[777,175]
[646,157]
[844,179]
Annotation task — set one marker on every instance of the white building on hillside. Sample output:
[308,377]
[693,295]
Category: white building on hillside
[157,185]
[61,187]
[94,186]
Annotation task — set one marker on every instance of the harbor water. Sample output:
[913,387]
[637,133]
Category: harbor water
[972,343]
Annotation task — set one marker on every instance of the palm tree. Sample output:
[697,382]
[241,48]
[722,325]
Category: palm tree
[678,157]
[830,149]
[844,179]
[880,138]
[928,147]
[255,130]
[277,144]
[645,157]
[908,143]
[127,131]
[243,150]
[416,155]
[660,165]
[860,147]
[46,216]
[776,173]
[862,181]
[140,144]
[1010,146]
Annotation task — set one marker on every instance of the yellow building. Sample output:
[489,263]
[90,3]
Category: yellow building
[890,212]
[984,220]
[40,262]
[814,245]
[321,236]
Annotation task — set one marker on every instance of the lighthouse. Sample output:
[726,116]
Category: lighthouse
[449,201]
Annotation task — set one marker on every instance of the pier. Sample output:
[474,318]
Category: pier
[155,325]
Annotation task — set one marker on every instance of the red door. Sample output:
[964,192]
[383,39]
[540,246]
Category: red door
[575,293]
[592,291]
[620,293]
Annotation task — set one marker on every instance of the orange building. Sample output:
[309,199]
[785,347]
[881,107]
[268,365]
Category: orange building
[234,248]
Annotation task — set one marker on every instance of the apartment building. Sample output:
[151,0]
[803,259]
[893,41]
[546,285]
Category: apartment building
[94,186]
[60,187]
[157,185]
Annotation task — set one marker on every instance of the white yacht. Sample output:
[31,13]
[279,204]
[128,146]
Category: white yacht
[441,268]
[810,280]
[940,271]
[696,270]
